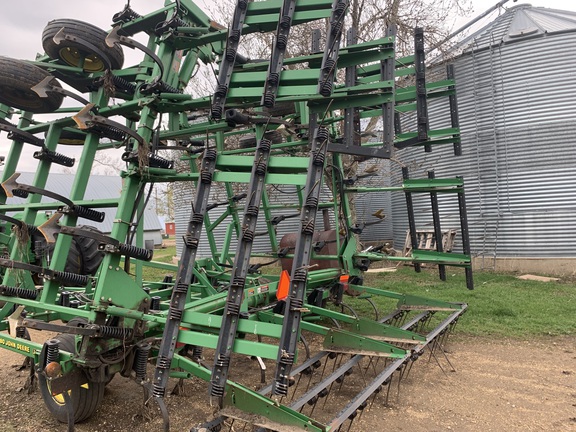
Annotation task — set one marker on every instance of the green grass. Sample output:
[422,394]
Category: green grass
[500,305]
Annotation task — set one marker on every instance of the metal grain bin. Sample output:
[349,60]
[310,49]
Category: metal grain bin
[516,93]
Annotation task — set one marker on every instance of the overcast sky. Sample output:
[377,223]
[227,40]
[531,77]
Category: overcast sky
[22,23]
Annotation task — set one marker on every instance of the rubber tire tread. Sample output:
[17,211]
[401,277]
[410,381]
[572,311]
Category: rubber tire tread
[88,399]
[88,32]
[17,77]
[91,256]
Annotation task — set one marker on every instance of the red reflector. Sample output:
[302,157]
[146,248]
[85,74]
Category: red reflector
[283,285]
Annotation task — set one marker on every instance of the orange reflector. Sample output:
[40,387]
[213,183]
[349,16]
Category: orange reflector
[181,344]
[283,285]
[344,278]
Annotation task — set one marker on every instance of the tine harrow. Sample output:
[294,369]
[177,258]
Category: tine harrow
[267,157]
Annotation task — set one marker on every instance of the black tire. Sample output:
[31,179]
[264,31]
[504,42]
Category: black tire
[17,77]
[86,398]
[281,109]
[91,256]
[83,258]
[73,53]
[71,136]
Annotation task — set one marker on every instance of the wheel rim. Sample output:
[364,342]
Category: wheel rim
[87,61]
[59,398]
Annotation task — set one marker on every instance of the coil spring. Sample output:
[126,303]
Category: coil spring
[167,88]
[71,278]
[181,288]
[108,131]
[141,359]
[269,99]
[322,135]
[52,351]
[123,84]
[115,332]
[326,88]
[233,309]
[135,252]
[222,360]
[261,168]
[282,42]
[159,162]
[197,352]
[296,303]
[146,290]
[216,390]
[179,22]
[274,78]
[308,227]
[336,28]
[318,158]
[287,358]
[175,314]
[312,202]
[252,210]
[265,145]
[313,400]
[21,332]
[329,66]
[221,90]
[20,193]
[206,177]
[323,393]
[191,242]
[235,35]
[128,14]
[155,303]
[300,275]
[74,304]
[248,236]
[340,8]
[280,388]
[216,111]
[32,230]
[18,292]
[158,390]
[163,362]
[57,158]
[210,154]
[238,282]
[230,54]
[285,22]
[88,213]
[197,218]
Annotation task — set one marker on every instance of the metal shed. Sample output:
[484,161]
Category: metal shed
[516,86]
[99,187]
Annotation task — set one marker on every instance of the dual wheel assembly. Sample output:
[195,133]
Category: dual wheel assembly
[69,42]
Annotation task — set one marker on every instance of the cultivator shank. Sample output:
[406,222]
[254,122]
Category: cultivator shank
[287,125]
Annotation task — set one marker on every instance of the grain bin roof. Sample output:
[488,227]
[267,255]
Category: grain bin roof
[520,23]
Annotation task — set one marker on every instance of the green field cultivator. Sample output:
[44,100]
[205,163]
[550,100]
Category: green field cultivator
[282,123]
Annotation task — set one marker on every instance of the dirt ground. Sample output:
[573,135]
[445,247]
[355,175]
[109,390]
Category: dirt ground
[497,386]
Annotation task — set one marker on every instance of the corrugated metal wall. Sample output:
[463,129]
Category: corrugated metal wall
[518,122]
[278,195]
